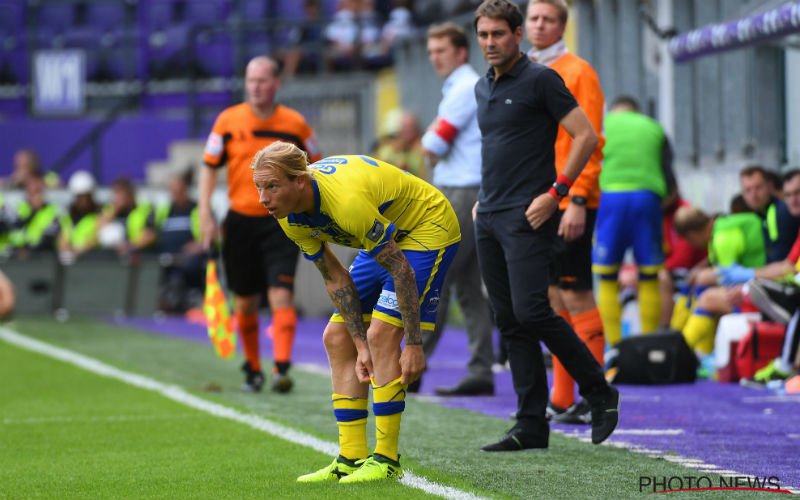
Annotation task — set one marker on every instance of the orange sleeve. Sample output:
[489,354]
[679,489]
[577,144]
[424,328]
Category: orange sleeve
[585,86]
[214,154]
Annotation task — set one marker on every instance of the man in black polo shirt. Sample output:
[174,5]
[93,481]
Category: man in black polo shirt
[520,106]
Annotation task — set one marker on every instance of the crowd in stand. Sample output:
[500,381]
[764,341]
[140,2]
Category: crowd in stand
[121,228]
[166,39]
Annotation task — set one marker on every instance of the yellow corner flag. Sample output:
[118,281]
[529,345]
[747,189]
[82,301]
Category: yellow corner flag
[218,315]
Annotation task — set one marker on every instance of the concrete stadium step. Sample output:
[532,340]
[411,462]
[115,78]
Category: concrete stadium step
[181,156]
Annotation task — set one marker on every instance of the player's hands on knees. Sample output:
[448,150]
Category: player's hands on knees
[364,370]
[540,210]
[412,364]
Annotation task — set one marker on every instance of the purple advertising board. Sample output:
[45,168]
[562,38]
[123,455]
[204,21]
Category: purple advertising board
[713,38]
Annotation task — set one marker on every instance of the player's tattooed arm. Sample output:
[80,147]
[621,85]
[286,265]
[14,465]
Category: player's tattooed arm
[349,305]
[343,293]
[393,260]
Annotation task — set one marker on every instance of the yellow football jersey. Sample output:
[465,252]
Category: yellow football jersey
[361,202]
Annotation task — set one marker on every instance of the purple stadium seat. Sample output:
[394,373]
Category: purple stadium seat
[103,49]
[47,37]
[291,10]
[158,14]
[84,36]
[215,55]
[13,59]
[168,40]
[14,64]
[106,15]
[254,9]
[256,44]
[110,65]
[56,16]
[120,63]
[166,52]
[206,12]
[11,21]
[329,8]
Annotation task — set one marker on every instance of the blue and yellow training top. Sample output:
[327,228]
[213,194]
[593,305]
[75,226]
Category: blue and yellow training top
[361,202]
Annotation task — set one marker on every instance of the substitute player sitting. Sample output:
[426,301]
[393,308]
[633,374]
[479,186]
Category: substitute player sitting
[408,234]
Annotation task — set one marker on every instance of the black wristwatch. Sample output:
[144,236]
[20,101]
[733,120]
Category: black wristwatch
[561,189]
[578,200]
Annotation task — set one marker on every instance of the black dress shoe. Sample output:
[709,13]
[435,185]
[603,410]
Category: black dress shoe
[516,440]
[605,415]
[578,414]
[468,387]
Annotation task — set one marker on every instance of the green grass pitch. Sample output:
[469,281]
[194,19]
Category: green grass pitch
[67,433]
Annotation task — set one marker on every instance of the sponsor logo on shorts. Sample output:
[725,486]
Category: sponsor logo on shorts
[388,300]
[433,300]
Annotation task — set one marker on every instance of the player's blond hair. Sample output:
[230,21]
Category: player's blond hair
[283,157]
[688,219]
[560,5]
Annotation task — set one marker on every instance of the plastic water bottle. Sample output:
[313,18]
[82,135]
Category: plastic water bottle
[625,328]
[630,321]
[708,368]
[776,387]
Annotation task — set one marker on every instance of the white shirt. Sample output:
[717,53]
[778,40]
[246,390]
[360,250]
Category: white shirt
[456,139]
[549,55]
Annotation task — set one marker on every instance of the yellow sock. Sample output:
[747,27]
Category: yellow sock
[699,331]
[649,298]
[680,312]
[351,416]
[388,403]
[610,308]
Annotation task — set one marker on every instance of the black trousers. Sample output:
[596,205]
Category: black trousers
[515,261]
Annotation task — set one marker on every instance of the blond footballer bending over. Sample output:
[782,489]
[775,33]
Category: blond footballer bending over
[408,234]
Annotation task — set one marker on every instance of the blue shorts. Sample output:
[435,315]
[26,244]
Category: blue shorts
[377,292]
[630,219]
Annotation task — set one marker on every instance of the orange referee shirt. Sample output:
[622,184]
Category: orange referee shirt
[238,134]
[582,81]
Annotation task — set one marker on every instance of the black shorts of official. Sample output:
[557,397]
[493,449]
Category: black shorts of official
[571,265]
[257,254]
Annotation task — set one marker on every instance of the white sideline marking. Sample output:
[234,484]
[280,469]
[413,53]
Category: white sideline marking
[179,395]
[632,432]
[649,432]
[313,368]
